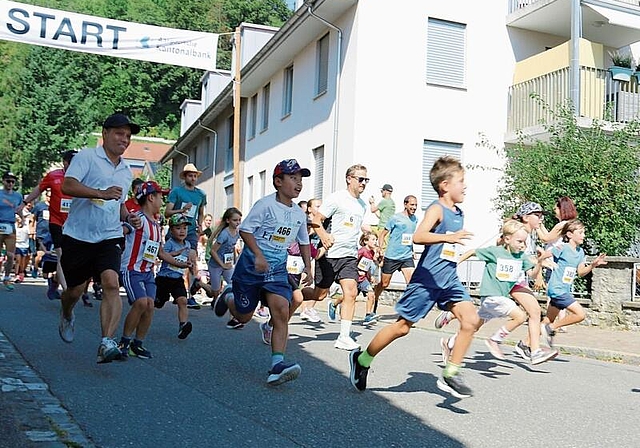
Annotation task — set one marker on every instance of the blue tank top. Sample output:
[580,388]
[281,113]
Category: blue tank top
[434,269]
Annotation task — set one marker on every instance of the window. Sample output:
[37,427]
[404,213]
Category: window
[228,193]
[322,64]
[431,151]
[253,118]
[318,171]
[263,179]
[266,92]
[228,162]
[250,190]
[287,91]
[207,152]
[196,153]
[446,53]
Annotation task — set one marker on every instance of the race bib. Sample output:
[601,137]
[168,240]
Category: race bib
[508,270]
[407,239]
[350,223]
[449,252]
[45,215]
[295,264]
[283,235]
[151,249]
[65,205]
[569,275]
[181,259]
[6,228]
[228,258]
[365,264]
[191,213]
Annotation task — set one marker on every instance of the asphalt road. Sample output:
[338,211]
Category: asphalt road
[210,389]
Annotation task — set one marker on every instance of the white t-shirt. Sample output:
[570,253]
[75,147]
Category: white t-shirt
[347,214]
[22,237]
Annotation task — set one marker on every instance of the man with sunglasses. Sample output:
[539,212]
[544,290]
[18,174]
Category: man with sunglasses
[10,200]
[346,210]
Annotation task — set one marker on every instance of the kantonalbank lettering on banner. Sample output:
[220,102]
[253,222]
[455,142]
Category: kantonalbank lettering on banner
[76,32]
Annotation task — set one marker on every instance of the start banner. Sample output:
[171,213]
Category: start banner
[76,32]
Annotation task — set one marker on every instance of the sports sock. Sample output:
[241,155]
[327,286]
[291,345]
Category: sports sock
[365,359]
[276,357]
[450,370]
[345,328]
[500,334]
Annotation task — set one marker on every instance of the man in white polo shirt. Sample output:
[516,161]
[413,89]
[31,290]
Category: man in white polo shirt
[92,242]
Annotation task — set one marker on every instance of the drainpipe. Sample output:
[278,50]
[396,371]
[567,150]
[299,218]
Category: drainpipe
[336,114]
[574,66]
[215,144]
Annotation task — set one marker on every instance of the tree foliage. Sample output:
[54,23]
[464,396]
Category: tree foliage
[51,100]
[595,166]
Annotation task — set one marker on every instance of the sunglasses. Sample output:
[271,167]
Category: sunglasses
[362,180]
[10,181]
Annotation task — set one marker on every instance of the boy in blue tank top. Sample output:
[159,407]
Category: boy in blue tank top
[435,281]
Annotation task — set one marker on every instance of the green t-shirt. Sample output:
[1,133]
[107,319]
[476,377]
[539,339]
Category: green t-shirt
[387,209]
[502,270]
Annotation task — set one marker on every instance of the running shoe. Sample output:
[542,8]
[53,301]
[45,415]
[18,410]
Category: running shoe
[192,304]
[266,331]
[313,315]
[235,324]
[331,311]
[357,373]
[185,330]
[8,286]
[66,328]
[523,350]
[304,315]
[443,319]
[494,348]
[34,273]
[159,303]
[445,351]
[369,319]
[455,385]
[124,350]
[139,351]
[541,355]
[195,287]
[52,290]
[220,305]
[281,373]
[262,313]
[86,301]
[19,278]
[97,291]
[346,343]
[108,351]
[548,333]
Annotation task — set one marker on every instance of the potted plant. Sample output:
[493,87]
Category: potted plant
[623,66]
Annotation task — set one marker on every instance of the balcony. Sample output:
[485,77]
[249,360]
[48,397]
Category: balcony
[548,76]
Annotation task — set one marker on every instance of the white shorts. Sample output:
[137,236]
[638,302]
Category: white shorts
[496,306]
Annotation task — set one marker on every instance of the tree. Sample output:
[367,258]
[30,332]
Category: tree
[597,167]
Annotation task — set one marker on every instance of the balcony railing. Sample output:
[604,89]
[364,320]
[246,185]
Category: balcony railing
[600,95]
[514,5]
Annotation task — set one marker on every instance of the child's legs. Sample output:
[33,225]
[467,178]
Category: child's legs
[279,308]
[575,313]
[183,311]
[349,294]
[388,334]
[371,300]
[469,320]
[530,304]
[296,301]
[215,280]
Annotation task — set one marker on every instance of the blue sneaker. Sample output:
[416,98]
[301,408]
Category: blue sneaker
[331,311]
[192,304]
[281,373]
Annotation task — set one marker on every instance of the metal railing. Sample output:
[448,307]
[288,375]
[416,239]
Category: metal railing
[601,97]
[515,5]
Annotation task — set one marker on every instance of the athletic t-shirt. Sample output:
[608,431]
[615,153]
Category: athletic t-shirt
[59,203]
[347,214]
[171,246]
[502,270]
[567,259]
[401,229]
[142,246]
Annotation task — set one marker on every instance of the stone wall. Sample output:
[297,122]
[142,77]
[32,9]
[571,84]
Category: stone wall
[611,303]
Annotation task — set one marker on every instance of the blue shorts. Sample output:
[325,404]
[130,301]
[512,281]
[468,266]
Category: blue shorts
[417,300]
[364,287]
[21,251]
[562,301]
[247,296]
[138,285]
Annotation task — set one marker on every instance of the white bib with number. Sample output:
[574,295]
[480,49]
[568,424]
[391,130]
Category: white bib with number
[508,270]
[181,259]
[449,252]
[283,235]
[228,258]
[295,264]
[569,275]
[6,228]
[151,249]
[45,215]
[407,239]
[65,205]
[365,264]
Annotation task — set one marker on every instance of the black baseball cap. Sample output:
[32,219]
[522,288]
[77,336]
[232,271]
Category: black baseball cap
[117,120]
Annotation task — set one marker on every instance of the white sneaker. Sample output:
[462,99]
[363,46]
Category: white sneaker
[346,343]
[313,315]
[304,314]
[66,328]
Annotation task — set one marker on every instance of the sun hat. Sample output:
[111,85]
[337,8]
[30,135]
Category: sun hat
[189,168]
[528,208]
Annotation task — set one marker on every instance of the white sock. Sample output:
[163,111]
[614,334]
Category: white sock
[500,334]
[451,341]
[345,328]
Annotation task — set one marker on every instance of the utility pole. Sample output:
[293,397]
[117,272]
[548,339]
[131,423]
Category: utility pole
[237,178]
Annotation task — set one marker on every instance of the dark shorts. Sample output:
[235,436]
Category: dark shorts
[138,285]
[417,300]
[56,235]
[562,301]
[81,260]
[170,287]
[329,270]
[21,252]
[391,266]
[246,297]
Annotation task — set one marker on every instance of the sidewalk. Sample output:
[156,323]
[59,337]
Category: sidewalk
[590,342]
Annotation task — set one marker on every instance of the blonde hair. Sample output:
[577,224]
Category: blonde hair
[443,169]
[510,227]
[571,226]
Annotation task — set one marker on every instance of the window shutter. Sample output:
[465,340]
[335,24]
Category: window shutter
[432,151]
[446,53]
